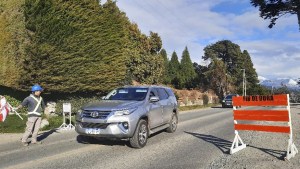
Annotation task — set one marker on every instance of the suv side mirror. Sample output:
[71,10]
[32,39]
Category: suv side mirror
[154,99]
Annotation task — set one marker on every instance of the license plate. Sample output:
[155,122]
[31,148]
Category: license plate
[92,131]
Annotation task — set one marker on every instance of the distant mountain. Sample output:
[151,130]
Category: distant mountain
[277,83]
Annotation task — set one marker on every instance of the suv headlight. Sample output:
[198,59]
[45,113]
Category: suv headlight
[79,113]
[124,112]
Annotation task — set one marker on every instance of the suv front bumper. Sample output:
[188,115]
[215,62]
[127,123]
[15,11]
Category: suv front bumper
[113,127]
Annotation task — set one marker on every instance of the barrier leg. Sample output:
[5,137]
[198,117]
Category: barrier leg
[70,126]
[237,144]
[64,126]
[291,150]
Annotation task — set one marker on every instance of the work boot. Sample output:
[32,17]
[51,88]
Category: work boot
[25,144]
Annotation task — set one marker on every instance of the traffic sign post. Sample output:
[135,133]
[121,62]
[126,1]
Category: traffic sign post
[67,109]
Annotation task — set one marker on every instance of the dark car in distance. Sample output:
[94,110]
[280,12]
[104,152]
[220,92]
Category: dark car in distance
[227,101]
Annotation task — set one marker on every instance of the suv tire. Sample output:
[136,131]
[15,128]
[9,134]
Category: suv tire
[173,124]
[139,139]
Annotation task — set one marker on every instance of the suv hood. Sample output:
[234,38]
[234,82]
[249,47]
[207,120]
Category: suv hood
[109,105]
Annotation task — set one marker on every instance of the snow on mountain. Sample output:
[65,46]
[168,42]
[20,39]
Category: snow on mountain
[261,78]
[292,82]
[277,83]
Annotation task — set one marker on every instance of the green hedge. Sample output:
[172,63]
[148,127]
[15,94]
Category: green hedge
[13,124]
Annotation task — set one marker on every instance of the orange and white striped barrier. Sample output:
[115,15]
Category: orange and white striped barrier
[280,112]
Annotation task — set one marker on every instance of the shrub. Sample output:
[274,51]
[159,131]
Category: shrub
[205,99]
[76,103]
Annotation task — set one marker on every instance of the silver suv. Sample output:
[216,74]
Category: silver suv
[130,113]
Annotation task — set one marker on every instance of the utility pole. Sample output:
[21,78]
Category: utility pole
[226,84]
[244,82]
[227,67]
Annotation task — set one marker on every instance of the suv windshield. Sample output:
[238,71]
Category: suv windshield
[127,94]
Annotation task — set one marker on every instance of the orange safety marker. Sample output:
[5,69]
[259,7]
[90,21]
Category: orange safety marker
[269,115]
[280,129]
[261,115]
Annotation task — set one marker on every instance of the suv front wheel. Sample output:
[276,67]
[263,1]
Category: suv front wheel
[173,124]
[139,139]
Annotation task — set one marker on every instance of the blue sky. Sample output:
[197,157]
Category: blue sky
[275,52]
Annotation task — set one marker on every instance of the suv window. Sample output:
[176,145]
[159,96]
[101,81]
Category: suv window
[162,94]
[170,92]
[153,92]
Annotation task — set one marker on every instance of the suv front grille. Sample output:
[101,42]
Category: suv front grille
[96,114]
[94,125]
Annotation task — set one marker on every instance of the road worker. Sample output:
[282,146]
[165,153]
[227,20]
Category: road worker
[35,105]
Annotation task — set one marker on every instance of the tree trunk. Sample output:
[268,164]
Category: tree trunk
[298,14]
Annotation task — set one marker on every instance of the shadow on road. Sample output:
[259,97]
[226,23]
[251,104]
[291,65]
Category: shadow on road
[219,107]
[44,135]
[223,145]
[91,140]
[279,154]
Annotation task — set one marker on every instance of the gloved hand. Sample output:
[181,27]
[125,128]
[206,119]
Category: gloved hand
[14,109]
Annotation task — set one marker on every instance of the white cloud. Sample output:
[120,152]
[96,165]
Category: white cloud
[276,58]
[179,23]
[194,24]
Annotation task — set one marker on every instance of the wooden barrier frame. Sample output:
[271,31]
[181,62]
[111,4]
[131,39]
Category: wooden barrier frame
[263,115]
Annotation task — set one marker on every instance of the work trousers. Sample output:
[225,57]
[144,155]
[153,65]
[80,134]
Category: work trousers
[32,128]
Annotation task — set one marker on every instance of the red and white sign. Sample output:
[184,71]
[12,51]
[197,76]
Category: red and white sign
[271,118]
[4,108]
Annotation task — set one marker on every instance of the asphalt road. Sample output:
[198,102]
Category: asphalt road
[201,138]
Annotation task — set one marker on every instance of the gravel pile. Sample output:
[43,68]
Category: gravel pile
[264,150]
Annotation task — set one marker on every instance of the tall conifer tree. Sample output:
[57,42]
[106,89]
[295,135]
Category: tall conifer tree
[174,69]
[166,78]
[187,69]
